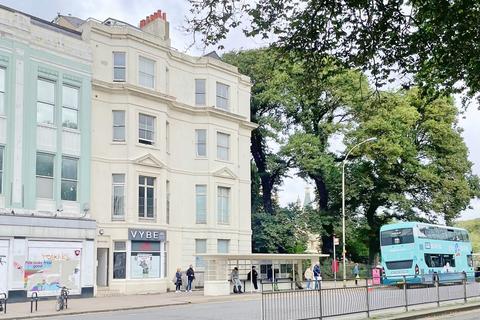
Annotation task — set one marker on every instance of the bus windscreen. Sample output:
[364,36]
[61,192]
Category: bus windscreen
[396,236]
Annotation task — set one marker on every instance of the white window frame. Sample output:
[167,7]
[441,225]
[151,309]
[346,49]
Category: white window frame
[198,93]
[200,261]
[73,108]
[146,186]
[145,140]
[2,91]
[115,66]
[77,162]
[2,156]
[114,126]
[220,147]
[227,241]
[223,217]
[199,219]
[52,178]
[198,143]
[52,105]
[114,185]
[221,98]
[145,74]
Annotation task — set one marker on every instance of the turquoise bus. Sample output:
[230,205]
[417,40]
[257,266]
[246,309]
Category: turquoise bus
[423,252]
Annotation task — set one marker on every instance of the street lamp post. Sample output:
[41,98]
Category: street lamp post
[343,207]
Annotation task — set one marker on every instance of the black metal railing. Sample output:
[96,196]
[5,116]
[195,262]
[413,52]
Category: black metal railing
[335,299]
[34,300]
[3,302]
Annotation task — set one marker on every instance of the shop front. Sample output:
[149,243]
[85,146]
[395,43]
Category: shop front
[137,261]
[42,254]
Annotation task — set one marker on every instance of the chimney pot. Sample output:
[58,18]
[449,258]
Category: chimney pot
[165,16]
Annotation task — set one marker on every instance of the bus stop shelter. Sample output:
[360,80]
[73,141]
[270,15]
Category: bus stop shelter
[273,268]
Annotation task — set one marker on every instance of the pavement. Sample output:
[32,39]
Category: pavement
[76,306]
[196,306]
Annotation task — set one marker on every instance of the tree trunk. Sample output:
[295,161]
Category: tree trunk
[258,153]
[322,191]
[373,236]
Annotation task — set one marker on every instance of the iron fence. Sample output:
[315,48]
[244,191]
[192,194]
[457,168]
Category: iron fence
[284,303]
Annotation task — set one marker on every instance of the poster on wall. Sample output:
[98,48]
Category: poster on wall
[47,269]
[145,265]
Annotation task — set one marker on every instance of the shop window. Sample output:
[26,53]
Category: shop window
[145,260]
[119,260]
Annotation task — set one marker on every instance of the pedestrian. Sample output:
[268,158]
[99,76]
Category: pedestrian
[190,278]
[253,276]
[237,286]
[356,273]
[178,281]
[308,277]
[317,275]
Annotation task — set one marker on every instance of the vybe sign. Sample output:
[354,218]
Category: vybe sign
[146,235]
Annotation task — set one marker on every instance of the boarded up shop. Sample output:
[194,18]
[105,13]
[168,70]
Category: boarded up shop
[41,254]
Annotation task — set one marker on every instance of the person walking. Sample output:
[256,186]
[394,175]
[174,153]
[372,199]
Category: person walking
[237,286]
[178,280]
[253,276]
[317,275]
[356,273]
[190,278]
[308,277]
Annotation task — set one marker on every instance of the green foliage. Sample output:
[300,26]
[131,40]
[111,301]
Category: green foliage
[280,233]
[436,41]
[473,227]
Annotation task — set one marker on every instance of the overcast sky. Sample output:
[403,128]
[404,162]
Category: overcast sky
[133,11]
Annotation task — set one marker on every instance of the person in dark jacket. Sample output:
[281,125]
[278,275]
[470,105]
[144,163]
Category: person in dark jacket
[317,275]
[178,280]
[190,278]
[254,278]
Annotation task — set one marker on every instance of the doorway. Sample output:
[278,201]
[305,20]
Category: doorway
[102,267]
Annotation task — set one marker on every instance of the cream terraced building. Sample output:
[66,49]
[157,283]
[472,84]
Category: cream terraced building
[170,155]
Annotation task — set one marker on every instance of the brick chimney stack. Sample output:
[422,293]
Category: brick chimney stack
[156,24]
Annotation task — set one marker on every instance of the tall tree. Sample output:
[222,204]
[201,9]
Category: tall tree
[267,110]
[437,41]
[418,169]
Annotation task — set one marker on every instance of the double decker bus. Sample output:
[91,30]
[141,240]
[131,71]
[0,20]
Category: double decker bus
[423,252]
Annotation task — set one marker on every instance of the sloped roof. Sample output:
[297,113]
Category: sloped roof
[213,55]
[77,22]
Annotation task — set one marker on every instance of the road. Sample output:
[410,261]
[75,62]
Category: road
[238,310]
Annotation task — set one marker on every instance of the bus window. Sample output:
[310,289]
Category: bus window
[397,236]
[395,265]
[470,260]
[433,260]
[448,258]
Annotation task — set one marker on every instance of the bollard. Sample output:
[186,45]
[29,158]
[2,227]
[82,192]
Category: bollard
[464,287]
[3,302]
[405,292]
[34,298]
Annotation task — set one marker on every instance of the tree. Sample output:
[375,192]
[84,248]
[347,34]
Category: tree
[435,41]
[418,169]
[266,110]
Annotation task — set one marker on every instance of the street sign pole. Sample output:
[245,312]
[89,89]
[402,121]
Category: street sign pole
[334,261]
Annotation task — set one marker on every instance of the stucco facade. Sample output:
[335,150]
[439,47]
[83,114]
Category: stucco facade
[45,98]
[170,155]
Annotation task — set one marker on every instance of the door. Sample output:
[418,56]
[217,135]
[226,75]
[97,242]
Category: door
[102,267]
[3,266]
